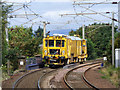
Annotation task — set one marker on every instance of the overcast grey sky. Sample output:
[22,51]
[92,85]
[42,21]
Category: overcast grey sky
[50,11]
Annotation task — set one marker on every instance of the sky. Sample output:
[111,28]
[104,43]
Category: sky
[51,10]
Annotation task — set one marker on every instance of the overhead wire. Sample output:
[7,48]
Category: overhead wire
[34,12]
[99,13]
[91,6]
[88,8]
[87,16]
[75,13]
[97,28]
[21,6]
[24,6]
[44,17]
[25,12]
[30,20]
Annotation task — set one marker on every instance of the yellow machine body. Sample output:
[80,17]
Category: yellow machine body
[61,50]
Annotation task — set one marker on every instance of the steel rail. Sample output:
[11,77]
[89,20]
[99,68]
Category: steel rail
[39,81]
[65,76]
[18,80]
[84,78]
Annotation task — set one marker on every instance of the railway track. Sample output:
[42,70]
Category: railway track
[30,80]
[85,79]
[75,78]
[42,78]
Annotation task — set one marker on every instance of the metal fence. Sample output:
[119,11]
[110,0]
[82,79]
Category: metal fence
[33,63]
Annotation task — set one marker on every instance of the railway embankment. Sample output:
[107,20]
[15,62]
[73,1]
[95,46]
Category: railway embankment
[101,78]
[112,74]
[94,75]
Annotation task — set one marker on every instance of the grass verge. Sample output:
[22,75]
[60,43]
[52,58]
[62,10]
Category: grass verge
[112,74]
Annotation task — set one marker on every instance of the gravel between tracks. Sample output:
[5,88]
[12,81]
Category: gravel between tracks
[57,80]
[94,77]
[45,80]
[75,78]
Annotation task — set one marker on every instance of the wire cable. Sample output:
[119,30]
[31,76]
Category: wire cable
[100,14]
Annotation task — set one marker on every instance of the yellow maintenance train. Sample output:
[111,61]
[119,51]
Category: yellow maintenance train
[62,49]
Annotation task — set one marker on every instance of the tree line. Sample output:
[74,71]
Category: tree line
[22,40]
[99,39]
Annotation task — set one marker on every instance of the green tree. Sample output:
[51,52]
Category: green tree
[5,10]
[71,33]
[39,34]
[109,49]
[117,40]
[100,35]
[22,41]
[90,50]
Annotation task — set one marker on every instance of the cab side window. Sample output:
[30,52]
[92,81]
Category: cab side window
[46,43]
[51,43]
[63,41]
[58,43]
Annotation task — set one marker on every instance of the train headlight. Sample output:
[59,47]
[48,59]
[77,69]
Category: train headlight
[63,52]
[45,52]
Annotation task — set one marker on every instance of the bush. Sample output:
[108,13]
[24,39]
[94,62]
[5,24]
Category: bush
[4,72]
[111,74]
[91,50]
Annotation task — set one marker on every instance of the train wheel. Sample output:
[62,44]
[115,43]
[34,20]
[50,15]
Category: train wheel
[51,66]
[68,61]
[77,59]
[84,59]
[64,63]
[81,61]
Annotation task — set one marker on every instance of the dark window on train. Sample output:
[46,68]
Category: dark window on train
[46,43]
[55,51]
[63,41]
[51,43]
[81,43]
[58,43]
